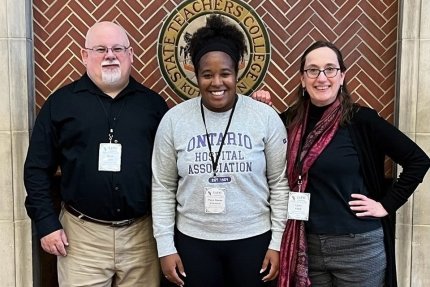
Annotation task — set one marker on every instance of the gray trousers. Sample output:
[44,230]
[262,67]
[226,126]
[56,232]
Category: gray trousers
[353,260]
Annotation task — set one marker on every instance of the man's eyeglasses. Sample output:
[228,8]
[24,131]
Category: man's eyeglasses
[117,49]
[328,72]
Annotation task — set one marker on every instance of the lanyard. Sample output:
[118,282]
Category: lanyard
[299,165]
[299,158]
[116,118]
[215,162]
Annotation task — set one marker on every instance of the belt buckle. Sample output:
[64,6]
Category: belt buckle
[122,223]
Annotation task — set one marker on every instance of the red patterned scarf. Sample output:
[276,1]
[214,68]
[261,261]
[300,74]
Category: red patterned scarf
[293,257]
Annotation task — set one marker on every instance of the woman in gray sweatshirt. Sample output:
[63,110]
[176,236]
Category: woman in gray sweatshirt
[219,191]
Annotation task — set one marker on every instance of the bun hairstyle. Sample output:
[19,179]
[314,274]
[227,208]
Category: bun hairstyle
[217,35]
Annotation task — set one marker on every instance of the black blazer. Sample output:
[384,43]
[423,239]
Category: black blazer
[375,138]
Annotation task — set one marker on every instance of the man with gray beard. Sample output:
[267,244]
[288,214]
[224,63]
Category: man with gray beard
[99,130]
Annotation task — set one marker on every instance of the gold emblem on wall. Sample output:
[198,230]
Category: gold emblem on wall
[173,44]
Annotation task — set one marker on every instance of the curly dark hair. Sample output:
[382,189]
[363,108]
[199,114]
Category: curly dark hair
[216,31]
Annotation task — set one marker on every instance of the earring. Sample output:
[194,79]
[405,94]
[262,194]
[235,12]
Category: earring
[341,89]
[303,91]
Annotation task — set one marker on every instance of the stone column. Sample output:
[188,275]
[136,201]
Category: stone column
[413,219]
[16,89]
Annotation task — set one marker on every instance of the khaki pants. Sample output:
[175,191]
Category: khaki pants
[103,256]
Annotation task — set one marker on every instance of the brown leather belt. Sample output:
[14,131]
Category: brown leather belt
[80,215]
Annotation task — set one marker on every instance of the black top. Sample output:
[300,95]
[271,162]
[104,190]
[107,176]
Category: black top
[67,133]
[334,176]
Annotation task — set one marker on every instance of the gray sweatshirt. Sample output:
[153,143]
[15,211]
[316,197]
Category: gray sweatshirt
[251,189]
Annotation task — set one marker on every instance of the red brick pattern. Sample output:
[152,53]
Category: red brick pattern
[366,32]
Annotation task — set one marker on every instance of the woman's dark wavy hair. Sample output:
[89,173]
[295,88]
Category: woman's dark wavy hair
[297,111]
[217,27]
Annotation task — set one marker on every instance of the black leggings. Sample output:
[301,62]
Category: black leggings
[232,263]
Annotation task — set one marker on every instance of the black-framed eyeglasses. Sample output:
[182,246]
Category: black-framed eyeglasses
[328,72]
[117,49]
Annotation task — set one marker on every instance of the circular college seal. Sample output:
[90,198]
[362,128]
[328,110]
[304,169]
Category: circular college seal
[173,44]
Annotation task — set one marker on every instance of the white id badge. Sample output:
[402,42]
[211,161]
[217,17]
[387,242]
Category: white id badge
[298,205]
[110,157]
[214,200]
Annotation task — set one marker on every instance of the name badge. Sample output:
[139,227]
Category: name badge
[298,205]
[214,200]
[110,157]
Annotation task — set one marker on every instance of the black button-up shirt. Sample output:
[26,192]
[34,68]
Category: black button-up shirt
[67,133]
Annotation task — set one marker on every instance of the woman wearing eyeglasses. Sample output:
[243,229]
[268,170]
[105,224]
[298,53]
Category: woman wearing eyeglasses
[336,152]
